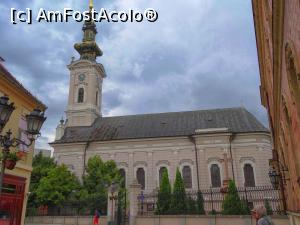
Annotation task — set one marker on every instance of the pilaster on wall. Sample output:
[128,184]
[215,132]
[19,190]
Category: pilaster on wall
[134,191]
[131,174]
[150,172]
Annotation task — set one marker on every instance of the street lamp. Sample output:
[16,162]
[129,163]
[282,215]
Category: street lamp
[34,121]
[5,111]
[113,198]
[274,178]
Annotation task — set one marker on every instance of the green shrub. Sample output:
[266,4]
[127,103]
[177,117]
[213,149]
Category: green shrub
[200,203]
[164,195]
[191,206]
[232,204]
[179,199]
[268,207]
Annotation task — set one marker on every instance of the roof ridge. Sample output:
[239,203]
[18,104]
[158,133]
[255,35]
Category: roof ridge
[160,113]
[170,124]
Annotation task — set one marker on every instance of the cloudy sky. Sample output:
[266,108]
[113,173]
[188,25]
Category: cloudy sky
[200,54]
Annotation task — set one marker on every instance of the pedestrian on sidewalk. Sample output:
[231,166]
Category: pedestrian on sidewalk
[96,217]
[260,214]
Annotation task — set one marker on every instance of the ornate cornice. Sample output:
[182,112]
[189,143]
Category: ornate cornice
[140,163]
[213,159]
[163,162]
[122,164]
[188,161]
[243,159]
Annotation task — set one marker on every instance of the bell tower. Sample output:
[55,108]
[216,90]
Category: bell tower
[86,77]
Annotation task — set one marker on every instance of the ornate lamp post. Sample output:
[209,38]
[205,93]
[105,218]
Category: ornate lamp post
[5,111]
[278,182]
[113,198]
[274,178]
[34,121]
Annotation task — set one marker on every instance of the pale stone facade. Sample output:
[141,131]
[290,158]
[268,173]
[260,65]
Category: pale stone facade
[172,153]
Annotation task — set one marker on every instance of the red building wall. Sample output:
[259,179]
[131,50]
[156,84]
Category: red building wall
[277,26]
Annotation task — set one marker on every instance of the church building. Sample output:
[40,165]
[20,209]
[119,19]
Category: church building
[207,146]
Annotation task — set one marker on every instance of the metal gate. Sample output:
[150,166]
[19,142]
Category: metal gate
[122,209]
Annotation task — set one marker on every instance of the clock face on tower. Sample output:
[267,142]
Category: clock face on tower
[81,77]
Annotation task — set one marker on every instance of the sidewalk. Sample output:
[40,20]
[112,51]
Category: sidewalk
[41,224]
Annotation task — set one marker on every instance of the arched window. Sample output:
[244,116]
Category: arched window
[215,176]
[80,95]
[187,176]
[249,175]
[140,176]
[161,172]
[123,177]
[96,97]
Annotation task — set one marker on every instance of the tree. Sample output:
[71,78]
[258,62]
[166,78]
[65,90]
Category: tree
[232,204]
[200,203]
[56,188]
[41,167]
[191,206]
[179,199]
[268,207]
[164,195]
[99,176]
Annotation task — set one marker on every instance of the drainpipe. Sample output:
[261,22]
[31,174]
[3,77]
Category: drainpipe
[87,144]
[231,137]
[192,139]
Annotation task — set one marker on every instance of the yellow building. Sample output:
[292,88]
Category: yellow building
[19,177]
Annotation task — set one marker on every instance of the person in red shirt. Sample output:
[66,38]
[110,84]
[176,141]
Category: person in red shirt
[96,217]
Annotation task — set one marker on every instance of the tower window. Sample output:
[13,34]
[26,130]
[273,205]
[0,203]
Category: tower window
[96,97]
[80,95]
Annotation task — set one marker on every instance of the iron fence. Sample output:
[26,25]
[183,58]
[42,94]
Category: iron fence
[214,197]
[64,210]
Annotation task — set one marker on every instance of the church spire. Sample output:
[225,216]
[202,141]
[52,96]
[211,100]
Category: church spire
[88,48]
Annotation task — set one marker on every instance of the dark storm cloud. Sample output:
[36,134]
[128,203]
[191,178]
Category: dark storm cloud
[200,54]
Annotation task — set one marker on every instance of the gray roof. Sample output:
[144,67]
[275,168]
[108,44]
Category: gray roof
[237,120]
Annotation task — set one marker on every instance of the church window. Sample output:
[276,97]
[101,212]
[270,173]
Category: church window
[161,172]
[215,176]
[187,176]
[70,167]
[249,175]
[140,176]
[80,95]
[96,97]
[123,177]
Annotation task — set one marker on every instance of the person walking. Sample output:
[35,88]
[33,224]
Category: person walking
[260,214]
[96,217]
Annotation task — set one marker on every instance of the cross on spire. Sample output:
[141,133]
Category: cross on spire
[91,5]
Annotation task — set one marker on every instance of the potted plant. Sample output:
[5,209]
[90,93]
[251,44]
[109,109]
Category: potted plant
[11,160]
[20,154]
